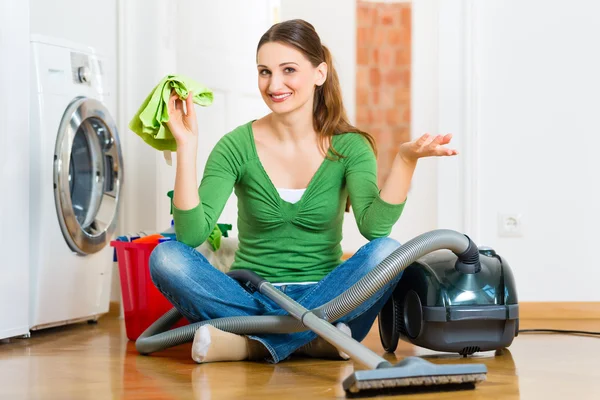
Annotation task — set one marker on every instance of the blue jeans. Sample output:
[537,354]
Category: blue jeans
[201,292]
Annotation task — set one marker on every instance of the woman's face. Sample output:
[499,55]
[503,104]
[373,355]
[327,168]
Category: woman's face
[286,78]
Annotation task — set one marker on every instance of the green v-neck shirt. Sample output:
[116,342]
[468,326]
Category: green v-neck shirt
[281,241]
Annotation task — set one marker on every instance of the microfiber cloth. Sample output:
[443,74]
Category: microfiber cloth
[150,120]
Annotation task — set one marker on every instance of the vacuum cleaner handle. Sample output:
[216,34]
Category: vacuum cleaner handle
[247,278]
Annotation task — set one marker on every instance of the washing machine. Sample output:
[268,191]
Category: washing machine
[76,172]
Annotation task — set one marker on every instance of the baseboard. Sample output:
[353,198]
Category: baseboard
[559,310]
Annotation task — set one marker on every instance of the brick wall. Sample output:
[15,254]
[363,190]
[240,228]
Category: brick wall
[383,76]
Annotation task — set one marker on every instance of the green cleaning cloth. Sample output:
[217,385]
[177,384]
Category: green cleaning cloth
[214,239]
[149,121]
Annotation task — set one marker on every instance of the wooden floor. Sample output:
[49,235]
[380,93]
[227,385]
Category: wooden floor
[97,362]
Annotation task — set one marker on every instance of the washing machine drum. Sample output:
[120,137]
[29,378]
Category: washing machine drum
[88,175]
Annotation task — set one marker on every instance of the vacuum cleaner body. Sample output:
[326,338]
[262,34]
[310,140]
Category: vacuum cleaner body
[438,306]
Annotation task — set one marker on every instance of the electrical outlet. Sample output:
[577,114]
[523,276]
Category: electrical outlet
[510,225]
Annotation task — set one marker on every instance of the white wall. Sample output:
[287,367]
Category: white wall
[83,21]
[79,21]
[521,80]
[14,168]
[538,119]
[387,1]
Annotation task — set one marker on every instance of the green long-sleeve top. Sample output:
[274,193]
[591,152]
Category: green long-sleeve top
[281,241]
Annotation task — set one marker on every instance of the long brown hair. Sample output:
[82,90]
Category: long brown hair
[329,114]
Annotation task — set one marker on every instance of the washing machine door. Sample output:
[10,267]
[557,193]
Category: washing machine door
[88,175]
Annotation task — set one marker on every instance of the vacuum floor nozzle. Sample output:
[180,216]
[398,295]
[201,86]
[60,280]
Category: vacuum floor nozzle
[414,375]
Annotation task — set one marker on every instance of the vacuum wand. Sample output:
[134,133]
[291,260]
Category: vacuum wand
[323,328]
[381,375]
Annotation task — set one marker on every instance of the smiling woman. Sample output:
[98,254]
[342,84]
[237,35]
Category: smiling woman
[306,147]
[306,73]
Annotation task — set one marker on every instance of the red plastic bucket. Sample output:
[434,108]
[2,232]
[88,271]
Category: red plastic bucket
[143,304]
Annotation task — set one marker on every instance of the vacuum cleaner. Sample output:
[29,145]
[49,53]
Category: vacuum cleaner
[443,305]
[436,295]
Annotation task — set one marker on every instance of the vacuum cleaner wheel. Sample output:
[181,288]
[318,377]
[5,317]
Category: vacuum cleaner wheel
[390,320]
[413,314]
[400,317]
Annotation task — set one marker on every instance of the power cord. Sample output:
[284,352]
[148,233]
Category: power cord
[559,331]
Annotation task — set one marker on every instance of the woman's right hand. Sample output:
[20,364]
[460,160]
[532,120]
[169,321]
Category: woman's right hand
[183,126]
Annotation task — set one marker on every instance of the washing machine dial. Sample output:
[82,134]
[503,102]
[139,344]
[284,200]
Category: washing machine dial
[84,74]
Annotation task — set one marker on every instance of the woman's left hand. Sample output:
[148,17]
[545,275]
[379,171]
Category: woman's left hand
[426,146]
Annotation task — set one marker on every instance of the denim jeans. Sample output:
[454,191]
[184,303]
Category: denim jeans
[201,292]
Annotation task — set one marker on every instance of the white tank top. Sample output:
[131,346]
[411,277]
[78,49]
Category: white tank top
[291,195]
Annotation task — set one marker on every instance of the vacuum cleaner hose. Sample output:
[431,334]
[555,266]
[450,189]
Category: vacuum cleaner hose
[391,266]
[158,336]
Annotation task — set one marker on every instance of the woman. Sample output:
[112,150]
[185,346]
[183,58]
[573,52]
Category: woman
[293,172]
